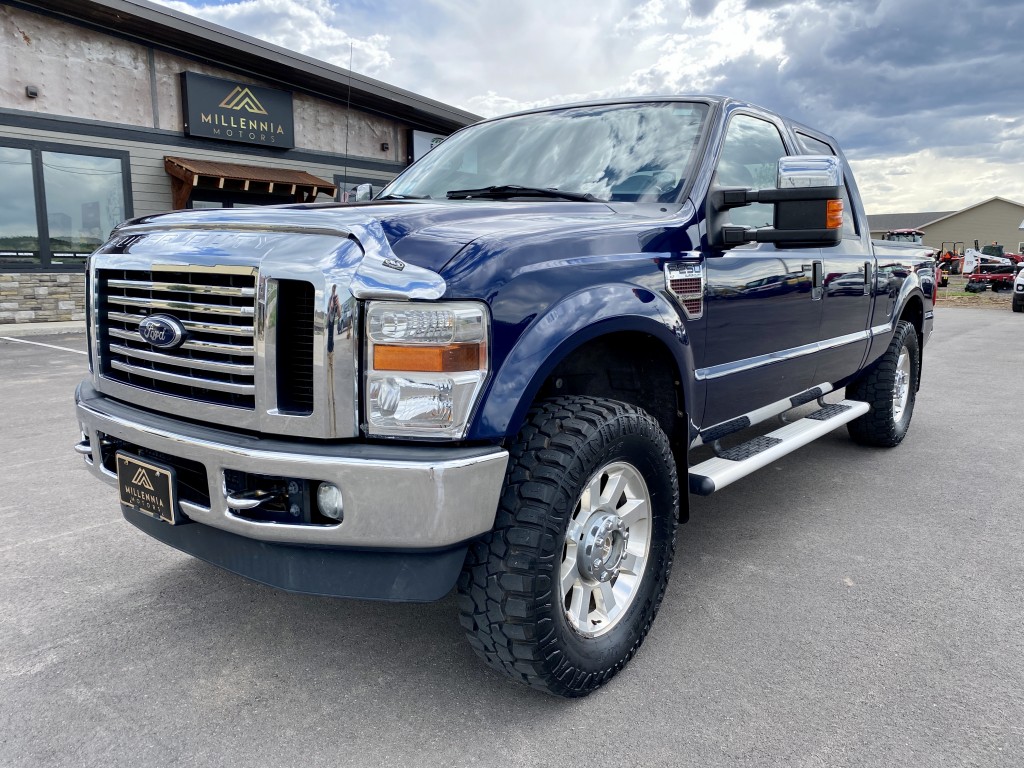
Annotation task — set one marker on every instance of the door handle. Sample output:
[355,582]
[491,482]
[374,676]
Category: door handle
[817,279]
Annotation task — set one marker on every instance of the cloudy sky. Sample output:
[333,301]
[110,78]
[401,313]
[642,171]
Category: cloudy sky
[926,96]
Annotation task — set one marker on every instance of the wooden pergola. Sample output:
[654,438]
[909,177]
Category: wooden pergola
[189,175]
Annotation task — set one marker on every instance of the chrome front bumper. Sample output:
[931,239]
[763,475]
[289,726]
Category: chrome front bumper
[395,497]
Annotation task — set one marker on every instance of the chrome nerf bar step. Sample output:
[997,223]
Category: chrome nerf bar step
[730,465]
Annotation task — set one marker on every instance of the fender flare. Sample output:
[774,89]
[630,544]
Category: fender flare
[566,326]
[911,288]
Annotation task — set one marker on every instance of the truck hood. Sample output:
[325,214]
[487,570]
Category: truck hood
[427,234]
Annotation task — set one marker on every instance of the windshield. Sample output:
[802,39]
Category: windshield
[631,152]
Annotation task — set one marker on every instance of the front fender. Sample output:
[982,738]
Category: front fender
[563,328]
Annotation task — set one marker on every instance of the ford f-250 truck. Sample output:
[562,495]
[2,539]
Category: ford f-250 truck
[493,375]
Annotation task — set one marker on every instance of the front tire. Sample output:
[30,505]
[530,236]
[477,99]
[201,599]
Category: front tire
[890,388]
[563,591]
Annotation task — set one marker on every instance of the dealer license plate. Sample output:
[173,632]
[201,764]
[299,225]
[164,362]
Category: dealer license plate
[147,487]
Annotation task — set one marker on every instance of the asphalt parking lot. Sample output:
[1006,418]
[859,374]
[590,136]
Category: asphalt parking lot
[844,607]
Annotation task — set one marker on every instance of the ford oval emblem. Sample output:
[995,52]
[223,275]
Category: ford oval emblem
[162,331]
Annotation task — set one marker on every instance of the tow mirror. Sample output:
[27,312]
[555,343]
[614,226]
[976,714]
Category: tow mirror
[808,200]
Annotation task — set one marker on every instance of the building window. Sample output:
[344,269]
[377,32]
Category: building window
[61,205]
[84,201]
[19,230]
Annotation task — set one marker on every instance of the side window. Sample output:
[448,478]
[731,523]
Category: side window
[750,158]
[814,146]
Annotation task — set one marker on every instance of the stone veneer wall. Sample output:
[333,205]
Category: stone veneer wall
[36,297]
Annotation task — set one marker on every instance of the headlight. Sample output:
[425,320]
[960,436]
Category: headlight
[426,365]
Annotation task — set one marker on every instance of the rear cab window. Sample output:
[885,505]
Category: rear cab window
[812,146]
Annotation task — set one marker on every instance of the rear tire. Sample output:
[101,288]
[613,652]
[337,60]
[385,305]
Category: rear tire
[890,388]
[1017,306]
[563,591]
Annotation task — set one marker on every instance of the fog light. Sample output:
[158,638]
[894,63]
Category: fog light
[328,499]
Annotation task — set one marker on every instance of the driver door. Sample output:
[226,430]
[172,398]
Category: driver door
[763,311]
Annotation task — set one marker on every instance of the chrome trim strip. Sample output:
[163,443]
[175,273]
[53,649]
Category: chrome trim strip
[188,381]
[190,325]
[879,330]
[183,306]
[206,290]
[739,366]
[192,345]
[842,341]
[265,343]
[238,369]
[394,503]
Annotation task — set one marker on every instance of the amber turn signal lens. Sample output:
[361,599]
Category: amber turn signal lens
[834,214]
[441,359]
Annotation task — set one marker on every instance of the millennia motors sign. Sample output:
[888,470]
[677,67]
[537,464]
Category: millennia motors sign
[215,108]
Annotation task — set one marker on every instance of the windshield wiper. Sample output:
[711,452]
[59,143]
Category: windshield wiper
[402,197]
[506,191]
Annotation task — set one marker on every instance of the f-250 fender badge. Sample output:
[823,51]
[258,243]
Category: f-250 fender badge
[394,264]
[686,284]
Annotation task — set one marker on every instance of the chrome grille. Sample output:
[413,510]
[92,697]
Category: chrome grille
[217,308]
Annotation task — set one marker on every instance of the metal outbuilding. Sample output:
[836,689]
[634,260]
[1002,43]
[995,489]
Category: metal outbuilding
[991,220]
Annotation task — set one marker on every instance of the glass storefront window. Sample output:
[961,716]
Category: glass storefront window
[84,201]
[19,230]
[58,203]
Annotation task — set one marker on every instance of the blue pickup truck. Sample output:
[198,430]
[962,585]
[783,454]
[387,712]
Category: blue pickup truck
[508,372]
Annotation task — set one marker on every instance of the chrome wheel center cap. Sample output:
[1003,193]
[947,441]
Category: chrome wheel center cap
[603,546]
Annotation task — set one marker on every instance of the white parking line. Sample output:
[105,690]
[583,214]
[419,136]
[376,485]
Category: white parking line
[40,344]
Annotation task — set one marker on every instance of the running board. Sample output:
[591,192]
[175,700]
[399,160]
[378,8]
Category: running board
[732,464]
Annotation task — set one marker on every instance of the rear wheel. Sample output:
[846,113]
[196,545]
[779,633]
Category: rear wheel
[563,591]
[890,388]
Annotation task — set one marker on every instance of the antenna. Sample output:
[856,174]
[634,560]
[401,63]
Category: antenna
[348,116]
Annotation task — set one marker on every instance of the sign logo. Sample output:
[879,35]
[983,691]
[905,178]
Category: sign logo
[162,332]
[242,98]
[226,110]
[141,478]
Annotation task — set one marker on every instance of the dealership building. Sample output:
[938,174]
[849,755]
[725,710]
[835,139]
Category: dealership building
[111,109]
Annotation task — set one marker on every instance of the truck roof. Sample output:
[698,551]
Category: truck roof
[710,99]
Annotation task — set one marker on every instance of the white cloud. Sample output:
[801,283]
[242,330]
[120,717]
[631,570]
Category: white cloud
[314,27]
[925,181]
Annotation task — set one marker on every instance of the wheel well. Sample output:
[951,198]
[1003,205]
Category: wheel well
[632,367]
[913,313]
